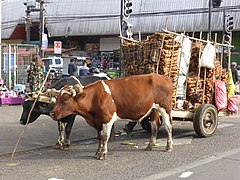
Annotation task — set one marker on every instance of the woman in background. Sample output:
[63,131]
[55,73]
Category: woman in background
[36,73]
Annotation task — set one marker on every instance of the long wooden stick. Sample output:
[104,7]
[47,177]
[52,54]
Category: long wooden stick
[25,127]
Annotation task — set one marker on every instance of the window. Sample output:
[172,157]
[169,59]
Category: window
[58,61]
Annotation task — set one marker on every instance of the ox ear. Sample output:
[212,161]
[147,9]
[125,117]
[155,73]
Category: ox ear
[80,96]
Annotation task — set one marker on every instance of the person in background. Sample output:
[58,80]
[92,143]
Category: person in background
[36,74]
[238,73]
[234,72]
[237,84]
[94,63]
[84,70]
[72,68]
[104,63]
[88,62]
[93,70]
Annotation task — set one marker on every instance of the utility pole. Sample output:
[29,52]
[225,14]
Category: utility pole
[209,19]
[120,50]
[212,4]
[31,7]
[28,25]
[41,28]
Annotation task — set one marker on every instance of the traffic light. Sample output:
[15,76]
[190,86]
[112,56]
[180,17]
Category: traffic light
[216,3]
[229,23]
[228,29]
[127,8]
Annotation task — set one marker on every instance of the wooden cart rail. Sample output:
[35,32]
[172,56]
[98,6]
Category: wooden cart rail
[189,114]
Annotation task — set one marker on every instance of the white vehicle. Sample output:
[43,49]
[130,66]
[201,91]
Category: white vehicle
[56,63]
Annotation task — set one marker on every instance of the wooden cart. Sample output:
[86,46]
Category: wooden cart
[163,53]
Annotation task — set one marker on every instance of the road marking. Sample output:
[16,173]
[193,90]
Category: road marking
[190,166]
[186,174]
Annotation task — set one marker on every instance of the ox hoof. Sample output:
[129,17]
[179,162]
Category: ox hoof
[100,156]
[168,149]
[66,146]
[149,147]
[58,146]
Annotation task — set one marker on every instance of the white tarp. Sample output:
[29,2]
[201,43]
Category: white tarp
[184,60]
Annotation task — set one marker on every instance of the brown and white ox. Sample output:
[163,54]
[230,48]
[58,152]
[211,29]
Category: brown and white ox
[107,101]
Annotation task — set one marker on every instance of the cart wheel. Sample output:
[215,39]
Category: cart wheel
[146,124]
[205,120]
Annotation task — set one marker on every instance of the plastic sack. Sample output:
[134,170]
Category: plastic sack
[231,86]
[233,102]
[220,95]
[208,55]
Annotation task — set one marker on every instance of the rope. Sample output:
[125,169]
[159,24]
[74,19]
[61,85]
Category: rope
[25,127]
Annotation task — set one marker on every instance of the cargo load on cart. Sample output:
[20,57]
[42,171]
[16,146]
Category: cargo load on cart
[199,70]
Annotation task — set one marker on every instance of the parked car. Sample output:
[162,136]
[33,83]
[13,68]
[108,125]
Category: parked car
[56,63]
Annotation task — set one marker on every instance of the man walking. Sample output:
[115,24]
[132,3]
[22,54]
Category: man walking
[72,68]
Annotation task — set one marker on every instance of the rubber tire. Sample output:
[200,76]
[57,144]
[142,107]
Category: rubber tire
[146,124]
[205,112]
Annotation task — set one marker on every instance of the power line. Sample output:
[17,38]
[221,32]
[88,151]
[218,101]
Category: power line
[91,17]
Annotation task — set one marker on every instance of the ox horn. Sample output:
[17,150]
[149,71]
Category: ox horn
[66,89]
[78,88]
[46,93]
[55,92]
[35,94]
[51,92]
[73,92]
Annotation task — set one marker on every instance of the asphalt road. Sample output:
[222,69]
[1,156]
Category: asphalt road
[217,157]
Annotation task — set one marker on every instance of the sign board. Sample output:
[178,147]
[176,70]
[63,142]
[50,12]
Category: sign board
[44,42]
[57,47]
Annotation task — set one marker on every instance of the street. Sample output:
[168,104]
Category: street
[216,157]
